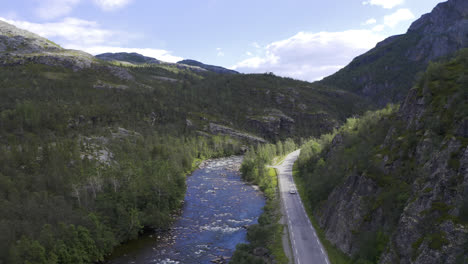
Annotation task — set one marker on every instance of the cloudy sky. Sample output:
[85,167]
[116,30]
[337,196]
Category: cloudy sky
[302,39]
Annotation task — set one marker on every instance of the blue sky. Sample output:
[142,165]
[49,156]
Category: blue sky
[303,39]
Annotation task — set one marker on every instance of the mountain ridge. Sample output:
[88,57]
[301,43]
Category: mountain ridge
[132,57]
[386,72]
[213,68]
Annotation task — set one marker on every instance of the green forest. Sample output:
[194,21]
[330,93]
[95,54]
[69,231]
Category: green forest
[90,160]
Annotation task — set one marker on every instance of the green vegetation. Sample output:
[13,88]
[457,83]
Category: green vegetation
[268,232]
[437,240]
[74,182]
[75,210]
[352,150]
[334,254]
[367,69]
[89,160]
[91,155]
[382,147]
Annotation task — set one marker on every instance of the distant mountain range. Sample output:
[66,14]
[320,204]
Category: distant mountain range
[212,68]
[135,58]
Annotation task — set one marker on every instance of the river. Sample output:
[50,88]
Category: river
[218,207]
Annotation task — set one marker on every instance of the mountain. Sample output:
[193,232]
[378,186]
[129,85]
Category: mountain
[392,186]
[212,68]
[15,40]
[134,58]
[387,72]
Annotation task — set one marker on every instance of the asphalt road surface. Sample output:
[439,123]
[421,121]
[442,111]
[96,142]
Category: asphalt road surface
[306,246]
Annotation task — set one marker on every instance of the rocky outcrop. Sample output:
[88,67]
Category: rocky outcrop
[425,154]
[21,47]
[224,130]
[387,72]
[103,86]
[13,39]
[272,125]
[344,212]
[427,232]
[443,31]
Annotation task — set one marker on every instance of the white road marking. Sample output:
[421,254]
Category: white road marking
[291,210]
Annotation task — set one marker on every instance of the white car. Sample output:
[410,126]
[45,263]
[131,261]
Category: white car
[292,191]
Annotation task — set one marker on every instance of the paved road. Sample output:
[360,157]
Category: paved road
[306,247]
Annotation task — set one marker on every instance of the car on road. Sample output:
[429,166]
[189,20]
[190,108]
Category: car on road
[292,189]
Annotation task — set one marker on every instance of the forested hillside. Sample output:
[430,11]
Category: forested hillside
[82,170]
[392,186]
[93,151]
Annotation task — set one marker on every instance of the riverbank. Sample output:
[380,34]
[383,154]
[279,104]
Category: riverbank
[265,239]
[217,210]
[148,235]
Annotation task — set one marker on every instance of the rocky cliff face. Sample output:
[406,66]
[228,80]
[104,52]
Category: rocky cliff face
[409,202]
[272,125]
[386,72]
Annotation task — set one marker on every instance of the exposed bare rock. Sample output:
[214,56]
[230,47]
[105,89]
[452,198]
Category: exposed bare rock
[271,125]
[166,79]
[121,133]
[224,130]
[13,39]
[103,85]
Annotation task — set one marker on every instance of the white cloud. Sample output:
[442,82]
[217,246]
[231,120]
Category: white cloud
[255,45]
[220,52]
[310,56]
[378,28]
[50,9]
[388,4]
[248,53]
[109,5]
[159,54]
[73,33]
[400,15]
[370,21]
